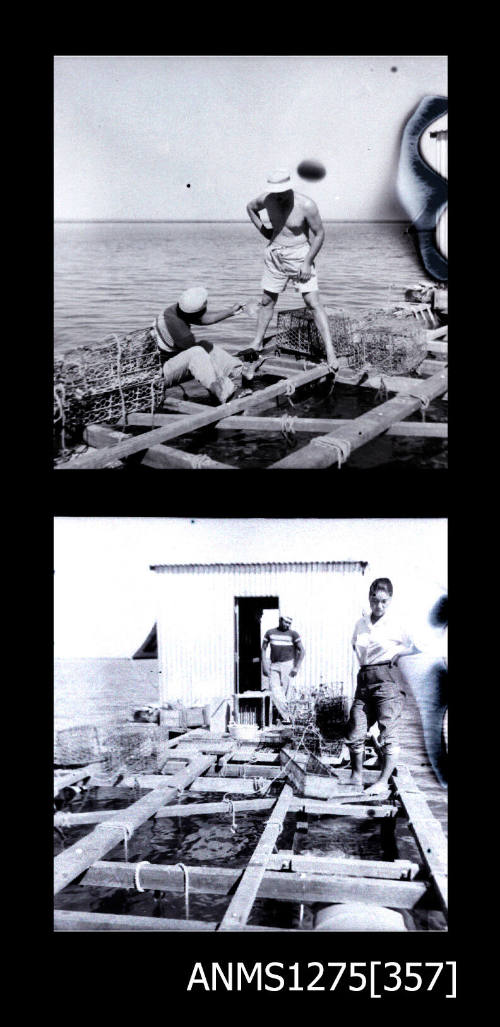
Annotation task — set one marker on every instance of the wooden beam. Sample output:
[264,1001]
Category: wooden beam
[105,457]
[231,785]
[427,831]
[73,920]
[330,808]
[397,870]
[73,776]
[318,425]
[280,885]
[102,436]
[439,349]
[321,452]
[429,367]
[211,783]
[240,907]
[73,861]
[191,809]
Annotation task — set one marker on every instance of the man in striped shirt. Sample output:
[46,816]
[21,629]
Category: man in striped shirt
[184,357]
[287,653]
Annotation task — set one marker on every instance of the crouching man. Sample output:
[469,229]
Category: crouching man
[184,357]
[379,641]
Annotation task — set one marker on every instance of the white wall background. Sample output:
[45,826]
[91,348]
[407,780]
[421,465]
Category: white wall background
[105,599]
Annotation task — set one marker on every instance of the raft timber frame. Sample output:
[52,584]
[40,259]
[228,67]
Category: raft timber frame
[110,445]
[199,761]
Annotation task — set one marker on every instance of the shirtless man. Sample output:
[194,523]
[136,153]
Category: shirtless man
[290,254]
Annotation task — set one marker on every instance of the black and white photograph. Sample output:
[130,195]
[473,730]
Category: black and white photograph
[250,262]
[250,725]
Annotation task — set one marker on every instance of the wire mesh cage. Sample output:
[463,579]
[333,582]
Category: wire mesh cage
[390,342]
[105,383]
[78,745]
[135,747]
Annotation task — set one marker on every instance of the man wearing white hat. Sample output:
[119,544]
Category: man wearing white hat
[183,357]
[290,254]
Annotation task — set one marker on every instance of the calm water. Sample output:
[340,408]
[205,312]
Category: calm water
[104,691]
[115,277]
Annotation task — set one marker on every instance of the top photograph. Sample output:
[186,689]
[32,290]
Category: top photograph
[250,263]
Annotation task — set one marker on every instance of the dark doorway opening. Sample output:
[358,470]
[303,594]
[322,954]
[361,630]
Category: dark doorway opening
[248,630]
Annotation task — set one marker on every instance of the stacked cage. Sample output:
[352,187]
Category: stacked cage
[105,383]
[389,342]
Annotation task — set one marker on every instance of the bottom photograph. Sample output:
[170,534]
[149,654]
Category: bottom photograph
[250,724]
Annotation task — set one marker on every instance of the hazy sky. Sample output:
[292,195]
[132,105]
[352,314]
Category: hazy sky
[132,132]
[105,594]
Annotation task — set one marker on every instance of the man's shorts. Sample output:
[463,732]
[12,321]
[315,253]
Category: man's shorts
[282,264]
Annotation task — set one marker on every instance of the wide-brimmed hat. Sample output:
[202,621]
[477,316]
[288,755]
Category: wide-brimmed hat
[192,300]
[278,181]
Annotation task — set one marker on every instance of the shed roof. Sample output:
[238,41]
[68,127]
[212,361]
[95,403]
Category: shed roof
[279,565]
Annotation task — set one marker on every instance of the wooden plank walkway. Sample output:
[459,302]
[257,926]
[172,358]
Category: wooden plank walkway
[73,861]
[240,907]
[336,446]
[191,422]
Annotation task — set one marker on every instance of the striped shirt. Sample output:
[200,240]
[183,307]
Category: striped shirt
[283,644]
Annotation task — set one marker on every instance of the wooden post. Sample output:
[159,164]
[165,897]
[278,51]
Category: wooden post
[73,861]
[239,908]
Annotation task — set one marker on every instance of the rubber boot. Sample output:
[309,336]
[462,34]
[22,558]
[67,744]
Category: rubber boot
[357,764]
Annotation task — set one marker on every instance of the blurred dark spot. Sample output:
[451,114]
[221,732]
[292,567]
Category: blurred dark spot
[394,69]
[438,616]
[188,186]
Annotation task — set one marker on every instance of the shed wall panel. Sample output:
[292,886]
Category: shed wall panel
[196,622]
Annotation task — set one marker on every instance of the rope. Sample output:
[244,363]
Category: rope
[127,829]
[287,427]
[143,863]
[60,403]
[226,798]
[152,404]
[341,446]
[424,403]
[202,460]
[184,869]
[118,371]
[382,394]
[262,785]
[63,820]
[289,391]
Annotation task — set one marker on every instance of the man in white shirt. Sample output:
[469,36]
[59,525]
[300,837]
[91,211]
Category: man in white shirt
[379,641]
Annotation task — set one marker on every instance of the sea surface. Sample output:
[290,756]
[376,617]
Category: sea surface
[107,691]
[116,276]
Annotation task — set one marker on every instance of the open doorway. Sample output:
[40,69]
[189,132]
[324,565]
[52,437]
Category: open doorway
[253,615]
